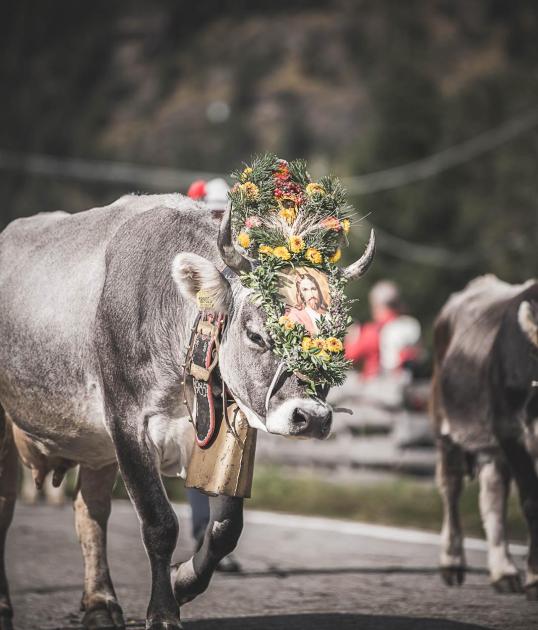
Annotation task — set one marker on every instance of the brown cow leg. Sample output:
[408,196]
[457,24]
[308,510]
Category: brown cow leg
[494,477]
[524,471]
[8,494]
[191,578]
[92,509]
[450,471]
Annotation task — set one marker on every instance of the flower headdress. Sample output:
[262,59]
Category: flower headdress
[292,230]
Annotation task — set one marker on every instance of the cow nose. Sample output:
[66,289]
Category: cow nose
[311,423]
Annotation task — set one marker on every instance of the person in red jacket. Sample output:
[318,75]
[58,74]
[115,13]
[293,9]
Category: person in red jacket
[363,344]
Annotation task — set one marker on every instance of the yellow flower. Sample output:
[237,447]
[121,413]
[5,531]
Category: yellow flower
[265,249]
[286,323]
[318,343]
[281,252]
[306,344]
[250,190]
[296,244]
[332,344]
[336,256]
[246,174]
[324,355]
[346,225]
[314,256]
[314,189]
[243,239]
[288,214]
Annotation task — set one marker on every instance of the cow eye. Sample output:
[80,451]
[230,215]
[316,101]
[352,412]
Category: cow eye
[256,338]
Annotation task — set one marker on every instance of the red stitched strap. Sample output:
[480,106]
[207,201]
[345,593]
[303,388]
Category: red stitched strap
[208,407]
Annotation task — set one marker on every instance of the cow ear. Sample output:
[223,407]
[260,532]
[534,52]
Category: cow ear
[199,280]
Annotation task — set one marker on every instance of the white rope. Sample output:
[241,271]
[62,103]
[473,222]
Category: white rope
[281,367]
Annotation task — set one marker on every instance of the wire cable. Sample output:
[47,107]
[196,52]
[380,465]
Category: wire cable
[164,178]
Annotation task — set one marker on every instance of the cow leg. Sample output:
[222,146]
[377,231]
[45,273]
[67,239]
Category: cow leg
[224,528]
[138,465]
[524,471]
[8,494]
[449,473]
[92,509]
[494,477]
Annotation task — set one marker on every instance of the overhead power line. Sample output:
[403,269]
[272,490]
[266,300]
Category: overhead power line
[442,161]
[163,178]
[431,256]
[139,176]
[158,178]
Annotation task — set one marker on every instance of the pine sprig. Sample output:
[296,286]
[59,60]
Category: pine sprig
[282,219]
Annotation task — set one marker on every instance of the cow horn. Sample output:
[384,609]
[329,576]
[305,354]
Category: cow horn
[360,267]
[527,322]
[229,254]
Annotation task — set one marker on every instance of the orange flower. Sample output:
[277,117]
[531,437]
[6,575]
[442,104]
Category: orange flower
[331,223]
[282,172]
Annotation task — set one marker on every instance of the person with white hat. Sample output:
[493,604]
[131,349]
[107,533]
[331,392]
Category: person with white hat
[390,341]
[214,194]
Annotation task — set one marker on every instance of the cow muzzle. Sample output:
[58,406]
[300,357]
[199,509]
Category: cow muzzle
[301,418]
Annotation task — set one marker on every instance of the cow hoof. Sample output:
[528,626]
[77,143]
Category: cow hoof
[186,583]
[453,576]
[531,591]
[107,616]
[508,584]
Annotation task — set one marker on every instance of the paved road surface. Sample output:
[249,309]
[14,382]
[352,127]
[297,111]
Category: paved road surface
[300,574]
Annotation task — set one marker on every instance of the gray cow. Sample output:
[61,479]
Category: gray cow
[485,411]
[95,314]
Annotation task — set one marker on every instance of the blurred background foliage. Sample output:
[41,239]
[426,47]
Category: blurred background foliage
[352,86]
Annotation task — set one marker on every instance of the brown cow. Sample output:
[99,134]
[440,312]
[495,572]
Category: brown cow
[485,407]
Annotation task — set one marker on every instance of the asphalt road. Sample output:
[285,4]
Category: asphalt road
[299,574]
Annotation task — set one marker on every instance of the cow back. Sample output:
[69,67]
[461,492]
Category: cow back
[466,331]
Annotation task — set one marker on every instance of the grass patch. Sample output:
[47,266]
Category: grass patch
[403,502]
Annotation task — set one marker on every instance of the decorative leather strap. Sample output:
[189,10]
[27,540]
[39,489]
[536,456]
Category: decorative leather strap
[206,381]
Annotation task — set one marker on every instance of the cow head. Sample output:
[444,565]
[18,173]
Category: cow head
[272,399]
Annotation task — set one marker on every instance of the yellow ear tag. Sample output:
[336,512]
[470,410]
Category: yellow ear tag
[204,300]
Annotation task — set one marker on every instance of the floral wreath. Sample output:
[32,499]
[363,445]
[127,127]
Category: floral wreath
[281,219]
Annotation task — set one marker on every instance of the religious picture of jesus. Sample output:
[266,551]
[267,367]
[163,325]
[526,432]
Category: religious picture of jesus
[305,292]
